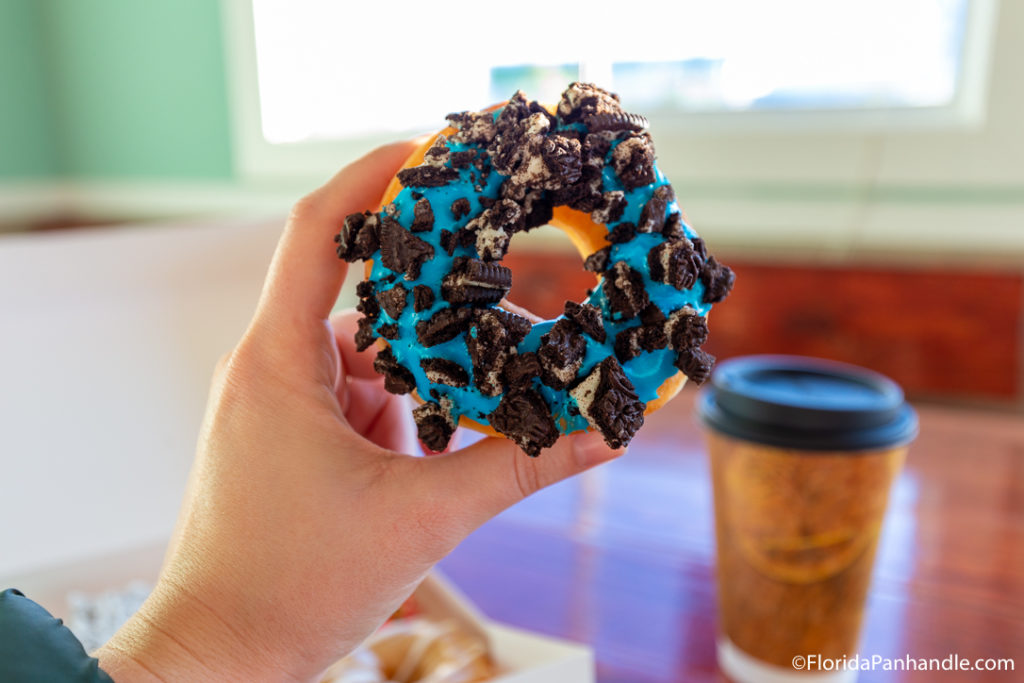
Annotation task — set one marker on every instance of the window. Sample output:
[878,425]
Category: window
[827,126]
[330,71]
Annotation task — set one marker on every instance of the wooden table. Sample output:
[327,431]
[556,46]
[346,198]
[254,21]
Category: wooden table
[622,558]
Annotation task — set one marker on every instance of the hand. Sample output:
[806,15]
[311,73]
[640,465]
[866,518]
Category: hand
[305,522]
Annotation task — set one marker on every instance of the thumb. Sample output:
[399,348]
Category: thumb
[494,473]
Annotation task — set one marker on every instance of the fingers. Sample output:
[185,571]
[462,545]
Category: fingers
[358,364]
[306,274]
[494,473]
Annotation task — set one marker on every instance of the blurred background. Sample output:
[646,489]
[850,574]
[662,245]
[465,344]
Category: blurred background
[859,164]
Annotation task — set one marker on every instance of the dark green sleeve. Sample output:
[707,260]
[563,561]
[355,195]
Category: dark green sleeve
[34,646]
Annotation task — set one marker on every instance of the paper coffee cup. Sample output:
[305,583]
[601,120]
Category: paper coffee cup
[803,454]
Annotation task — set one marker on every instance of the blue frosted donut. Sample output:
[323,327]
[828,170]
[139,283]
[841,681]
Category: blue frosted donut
[433,293]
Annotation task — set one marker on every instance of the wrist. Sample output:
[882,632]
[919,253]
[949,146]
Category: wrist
[176,635]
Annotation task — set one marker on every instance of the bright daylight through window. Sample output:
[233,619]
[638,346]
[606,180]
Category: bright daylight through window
[321,62]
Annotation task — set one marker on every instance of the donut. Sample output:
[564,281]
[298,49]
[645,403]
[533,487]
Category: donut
[434,297]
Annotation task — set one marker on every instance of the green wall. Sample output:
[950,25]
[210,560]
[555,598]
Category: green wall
[27,148]
[120,89]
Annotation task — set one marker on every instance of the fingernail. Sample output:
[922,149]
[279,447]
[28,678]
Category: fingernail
[591,449]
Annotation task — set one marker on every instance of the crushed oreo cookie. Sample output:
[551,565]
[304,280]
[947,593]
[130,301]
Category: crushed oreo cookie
[435,424]
[525,417]
[367,305]
[422,298]
[402,251]
[493,229]
[520,370]
[460,207]
[622,233]
[675,263]
[608,401]
[686,329]
[364,334]
[443,326]
[718,280]
[696,364]
[615,122]
[673,228]
[359,237]
[624,288]
[475,282]
[633,159]
[492,339]
[652,218]
[561,354]
[427,176]
[444,371]
[588,318]
[598,261]
[613,204]
[423,216]
[393,300]
[397,379]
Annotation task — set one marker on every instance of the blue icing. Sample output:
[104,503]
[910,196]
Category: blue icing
[647,371]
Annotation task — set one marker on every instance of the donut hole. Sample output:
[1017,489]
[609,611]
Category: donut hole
[547,271]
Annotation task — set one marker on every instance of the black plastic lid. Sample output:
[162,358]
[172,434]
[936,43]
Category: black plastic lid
[806,403]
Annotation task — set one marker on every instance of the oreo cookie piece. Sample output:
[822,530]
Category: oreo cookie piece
[402,251]
[633,160]
[367,305]
[649,336]
[581,101]
[718,280]
[700,248]
[475,282]
[525,418]
[652,218]
[388,330]
[423,216]
[460,207]
[359,237]
[473,127]
[588,317]
[393,300]
[397,379]
[365,334]
[422,298]
[448,241]
[561,155]
[427,176]
[673,228]
[653,335]
[686,329]
[623,232]
[675,263]
[624,288]
[435,423]
[444,371]
[612,205]
[598,261]
[493,336]
[443,326]
[609,402]
[696,364]
[520,370]
[463,159]
[493,229]
[561,354]
[627,344]
[615,122]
